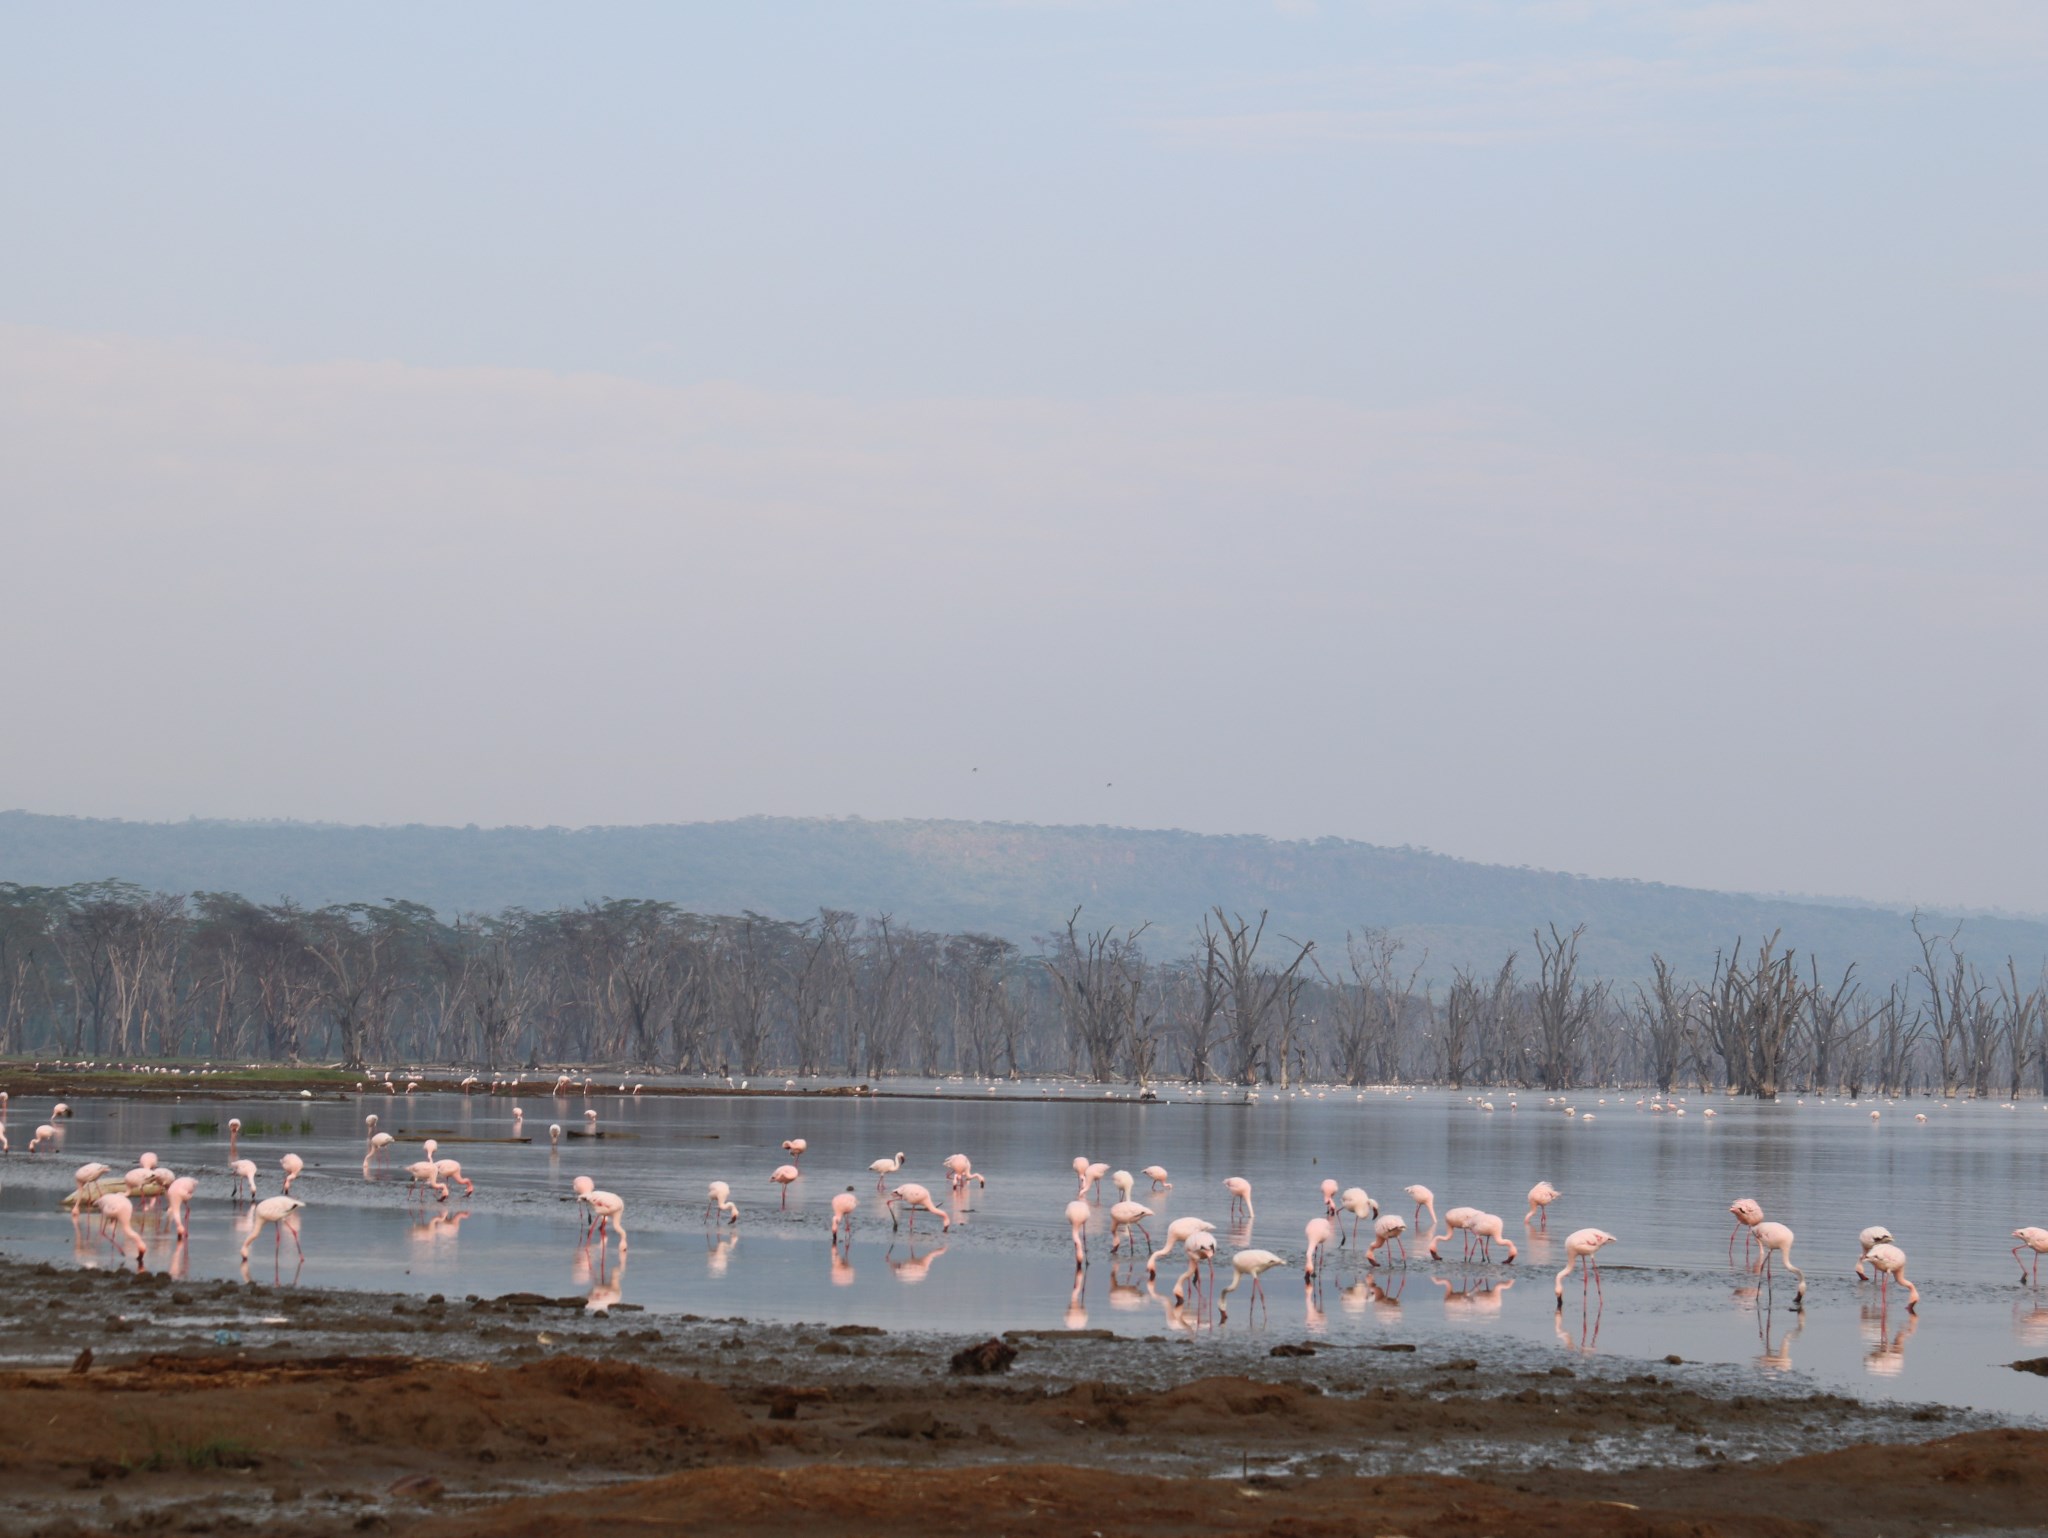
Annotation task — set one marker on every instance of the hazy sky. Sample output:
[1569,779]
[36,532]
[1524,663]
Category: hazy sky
[1602,434]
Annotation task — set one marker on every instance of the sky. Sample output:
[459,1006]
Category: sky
[1603,435]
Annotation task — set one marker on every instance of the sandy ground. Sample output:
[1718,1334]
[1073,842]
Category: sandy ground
[212,1406]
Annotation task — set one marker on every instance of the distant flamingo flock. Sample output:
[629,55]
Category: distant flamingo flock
[120,1198]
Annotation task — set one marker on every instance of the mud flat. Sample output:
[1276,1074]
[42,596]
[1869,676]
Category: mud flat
[216,1406]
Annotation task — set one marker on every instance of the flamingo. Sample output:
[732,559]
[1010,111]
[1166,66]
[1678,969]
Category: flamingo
[119,1213]
[86,1174]
[1424,1198]
[2035,1239]
[611,1214]
[175,1201]
[1240,1190]
[1179,1231]
[1124,1181]
[1582,1245]
[885,1167]
[1320,1231]
[244,1171]
[1077,1216]
[234,1135]
[1747,1215]
[1869,1239]
[795,1147]
[1456,1218]
[1157,1175]
[1124,1217]
[721,1203]
[446,1170]
[1541,1195]
[554,1134]
[1201,1250]
[582,1187]
[959,1170]
[843,1208]
[380,1142]
[1329,1198]
[1776,1239]
[1091,1179]
[43,1134]
[1248,1263]
[784,1176]
[291,1164]
[1356,1202]
[426,1172]
[916,1199]
[1385,1231]
[1488,1227]
[278,1210]
[1889,1261]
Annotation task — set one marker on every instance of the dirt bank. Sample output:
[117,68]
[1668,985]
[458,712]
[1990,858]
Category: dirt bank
[209,1406]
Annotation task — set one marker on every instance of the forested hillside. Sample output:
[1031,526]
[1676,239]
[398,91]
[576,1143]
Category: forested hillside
[1014,881]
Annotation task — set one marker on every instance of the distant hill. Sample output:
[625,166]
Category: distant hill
[1014,880]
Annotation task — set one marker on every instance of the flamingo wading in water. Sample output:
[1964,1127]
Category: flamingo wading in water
[1248,1263]
[1583,1246]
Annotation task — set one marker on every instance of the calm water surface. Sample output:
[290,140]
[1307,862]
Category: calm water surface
[1950,1189]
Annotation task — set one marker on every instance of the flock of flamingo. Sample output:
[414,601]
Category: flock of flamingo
[117,1198]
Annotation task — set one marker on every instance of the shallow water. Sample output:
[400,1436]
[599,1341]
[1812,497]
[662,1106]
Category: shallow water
[1950,1189]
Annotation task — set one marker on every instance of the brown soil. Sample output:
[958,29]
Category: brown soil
[384,1443]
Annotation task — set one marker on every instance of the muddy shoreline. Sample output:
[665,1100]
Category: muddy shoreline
[208,1406]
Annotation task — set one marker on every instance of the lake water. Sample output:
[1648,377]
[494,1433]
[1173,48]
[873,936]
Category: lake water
[1951,1189]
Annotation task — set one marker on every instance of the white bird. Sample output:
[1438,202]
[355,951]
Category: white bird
[1248,1263]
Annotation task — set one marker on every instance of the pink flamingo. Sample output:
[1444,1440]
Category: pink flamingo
[234,1136]
[795,1147]
[1091,1180]
[1329,1198]
[844,1205]
[1460,1220]
[1125,1182]
[720,1202]
[884,1168]
[291,1164]
[425,1172]
[1747,1215]
[280,1210]
[1889,1261]
[1776,1239]
[1488,1227]
[446,1170]
[43,1134]
[1424,1198]
[1124,1217]
[1157,1175]
[1385,1231]
[176,1200]
[784,1176]
[1201,1250]
[959,1170]
[1077,1216]
[611,1215]
[380,1145]
[1320,1231]
[1541,1195]
[119,1213]
[1582,1245]
[581,1187]
[1240,1190]
[1356,1202]
[916,1199]
[2035,1239]
[244,1171]
[1867,1241]
[1179,1231]
[87,1174]
[1248,1263]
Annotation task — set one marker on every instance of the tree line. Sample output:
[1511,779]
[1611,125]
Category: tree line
[107,971]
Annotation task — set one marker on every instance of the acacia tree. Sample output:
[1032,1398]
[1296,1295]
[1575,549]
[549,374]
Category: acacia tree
[1565,1007]
[1259,1000]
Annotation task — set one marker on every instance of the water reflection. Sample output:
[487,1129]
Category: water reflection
[1886,1357]
[911,1267]
[1585,1335]
[1474,1296]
